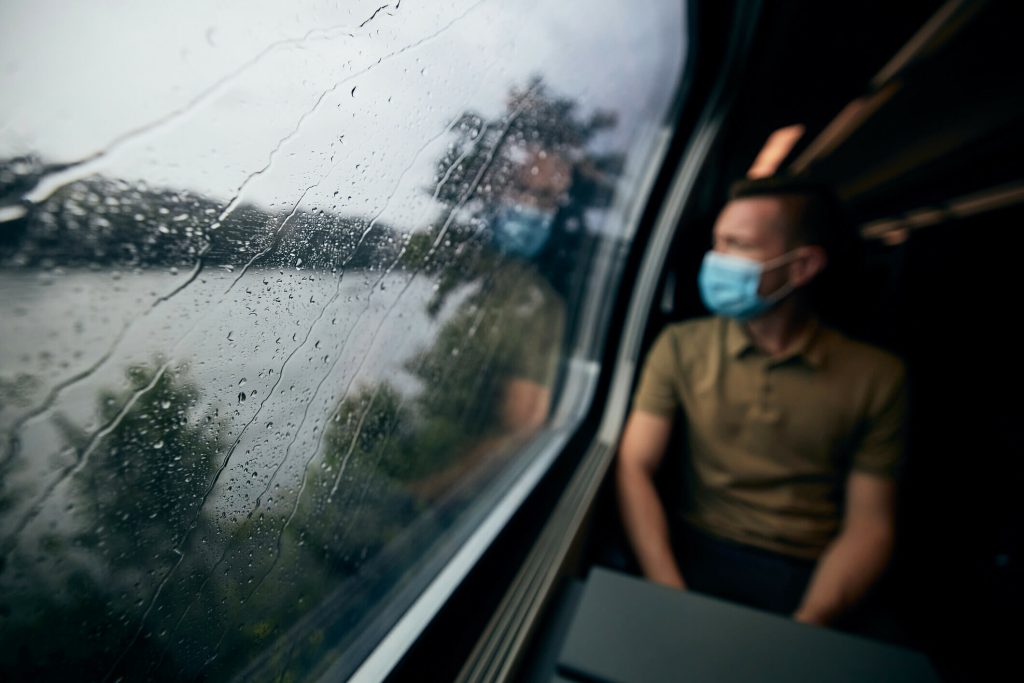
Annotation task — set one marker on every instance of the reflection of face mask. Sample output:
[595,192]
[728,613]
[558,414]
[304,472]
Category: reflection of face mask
[522,230]
[728,284]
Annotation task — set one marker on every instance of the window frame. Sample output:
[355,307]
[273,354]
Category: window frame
[721,39]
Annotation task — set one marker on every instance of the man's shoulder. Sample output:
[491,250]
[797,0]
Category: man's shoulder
[681,344]
[863,357]
[693,330]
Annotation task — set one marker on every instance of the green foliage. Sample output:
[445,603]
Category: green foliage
[357,502]
[481,162]
[146,478]
[484,165]
[71,616]
[98,221]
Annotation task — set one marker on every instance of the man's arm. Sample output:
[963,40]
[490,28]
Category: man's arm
[524,409]
[642,448]
[524,406]
[858,556]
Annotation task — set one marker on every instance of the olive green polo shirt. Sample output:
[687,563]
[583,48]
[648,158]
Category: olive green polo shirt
[771,440]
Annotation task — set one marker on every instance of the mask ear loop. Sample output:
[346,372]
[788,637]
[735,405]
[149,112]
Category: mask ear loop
[786,289]
[781,260]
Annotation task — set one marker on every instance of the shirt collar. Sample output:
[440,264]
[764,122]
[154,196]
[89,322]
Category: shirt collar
[810,346]
[737,341]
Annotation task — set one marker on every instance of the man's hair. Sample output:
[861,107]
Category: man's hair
[817,218]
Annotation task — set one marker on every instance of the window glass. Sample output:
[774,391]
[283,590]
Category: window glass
[290,293]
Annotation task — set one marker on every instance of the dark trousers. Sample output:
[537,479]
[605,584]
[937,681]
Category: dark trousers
[740,573]
[775,583]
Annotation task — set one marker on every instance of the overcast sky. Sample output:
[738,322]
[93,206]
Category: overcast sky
[265,100]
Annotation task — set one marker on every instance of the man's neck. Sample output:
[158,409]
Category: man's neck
[778,330]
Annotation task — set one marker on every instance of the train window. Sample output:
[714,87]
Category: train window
[293,297]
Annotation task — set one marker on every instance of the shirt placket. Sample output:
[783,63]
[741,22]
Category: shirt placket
[767,409]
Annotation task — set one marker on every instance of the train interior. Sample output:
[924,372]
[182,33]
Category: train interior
[913,114]
[932,177]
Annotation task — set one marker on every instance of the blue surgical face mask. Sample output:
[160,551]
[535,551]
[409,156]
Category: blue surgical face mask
[728,284]
[522,230]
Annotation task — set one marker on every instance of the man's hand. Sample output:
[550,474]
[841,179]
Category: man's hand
[642,448]
[806,617]
[858,556]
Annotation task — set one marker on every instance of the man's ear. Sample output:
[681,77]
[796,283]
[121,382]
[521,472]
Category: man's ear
[811,260]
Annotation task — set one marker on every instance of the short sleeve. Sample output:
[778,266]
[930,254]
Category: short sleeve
[531,336]
[657,392]
[881,448]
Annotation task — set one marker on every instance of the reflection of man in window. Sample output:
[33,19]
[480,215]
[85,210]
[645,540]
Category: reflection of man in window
[509,332]
[522,228]
[794,431]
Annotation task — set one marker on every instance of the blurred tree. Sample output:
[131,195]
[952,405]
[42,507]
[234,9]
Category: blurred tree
[69,612]
[493,159]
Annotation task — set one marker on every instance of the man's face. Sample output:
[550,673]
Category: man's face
[543,178]
[755,228]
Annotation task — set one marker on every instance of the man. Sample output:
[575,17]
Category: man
[793,430]
[507,335]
